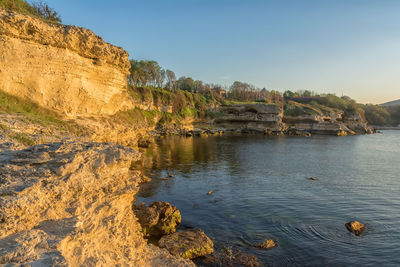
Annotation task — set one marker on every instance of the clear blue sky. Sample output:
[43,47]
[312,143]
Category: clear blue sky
[341,46]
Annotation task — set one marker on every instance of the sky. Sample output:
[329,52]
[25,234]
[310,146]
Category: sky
[346,47]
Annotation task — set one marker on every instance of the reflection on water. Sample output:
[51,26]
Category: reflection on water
[262,191]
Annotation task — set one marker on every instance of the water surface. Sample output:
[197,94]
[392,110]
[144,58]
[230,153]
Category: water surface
[262,191]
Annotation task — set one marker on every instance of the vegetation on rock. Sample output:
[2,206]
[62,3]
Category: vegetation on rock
[37,9]
[187,244]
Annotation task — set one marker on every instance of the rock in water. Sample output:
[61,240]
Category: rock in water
[267,244]
[160,218]
[355,227]
[188,244]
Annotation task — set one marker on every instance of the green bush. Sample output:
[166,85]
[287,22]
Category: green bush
[36,9]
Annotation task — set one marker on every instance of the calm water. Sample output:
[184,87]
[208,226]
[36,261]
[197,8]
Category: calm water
[262,191]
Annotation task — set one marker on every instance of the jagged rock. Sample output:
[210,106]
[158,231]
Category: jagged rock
[267,244]
[70,204]
[355,227]
[160,218]
[187,244]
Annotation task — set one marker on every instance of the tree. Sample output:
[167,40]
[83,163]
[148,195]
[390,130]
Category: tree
[186,84]
[288,94]
[146,73]
[43,10]
[171,79]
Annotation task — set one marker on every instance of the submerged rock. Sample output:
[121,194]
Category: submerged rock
[355,227]
[187,244]
[228,256]
[160,218]
[267,244]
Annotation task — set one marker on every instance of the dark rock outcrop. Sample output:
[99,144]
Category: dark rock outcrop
[160,218]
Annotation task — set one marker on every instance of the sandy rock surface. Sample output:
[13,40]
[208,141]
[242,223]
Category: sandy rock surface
[70,204]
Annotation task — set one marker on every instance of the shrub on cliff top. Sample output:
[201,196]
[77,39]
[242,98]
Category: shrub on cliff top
[36,9]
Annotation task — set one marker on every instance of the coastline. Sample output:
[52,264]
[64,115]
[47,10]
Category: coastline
[68,187]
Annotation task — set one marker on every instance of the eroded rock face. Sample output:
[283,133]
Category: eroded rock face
[187,244]
[160,218]
[64,68]
[356,124]
[336,123]
[70,204]
[250,118]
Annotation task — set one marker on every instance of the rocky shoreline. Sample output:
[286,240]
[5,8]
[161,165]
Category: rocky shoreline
[70,203]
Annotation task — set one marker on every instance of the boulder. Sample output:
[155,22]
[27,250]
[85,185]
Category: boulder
[355,227]
[160,218]
[267,244]
[188,244]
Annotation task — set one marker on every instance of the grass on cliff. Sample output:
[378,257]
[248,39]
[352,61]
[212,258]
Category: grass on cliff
[30,111]
[293,108]
[37,9]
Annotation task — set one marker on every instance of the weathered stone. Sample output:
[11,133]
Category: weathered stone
[72,206]
[246,118]
[187,244]
[267,244]
[355,227]
[160,218]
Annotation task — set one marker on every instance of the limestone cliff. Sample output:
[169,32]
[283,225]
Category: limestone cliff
[270,119]
[70,204]
[249,117]
[64,68]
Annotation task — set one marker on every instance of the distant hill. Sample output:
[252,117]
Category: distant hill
[391,103]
